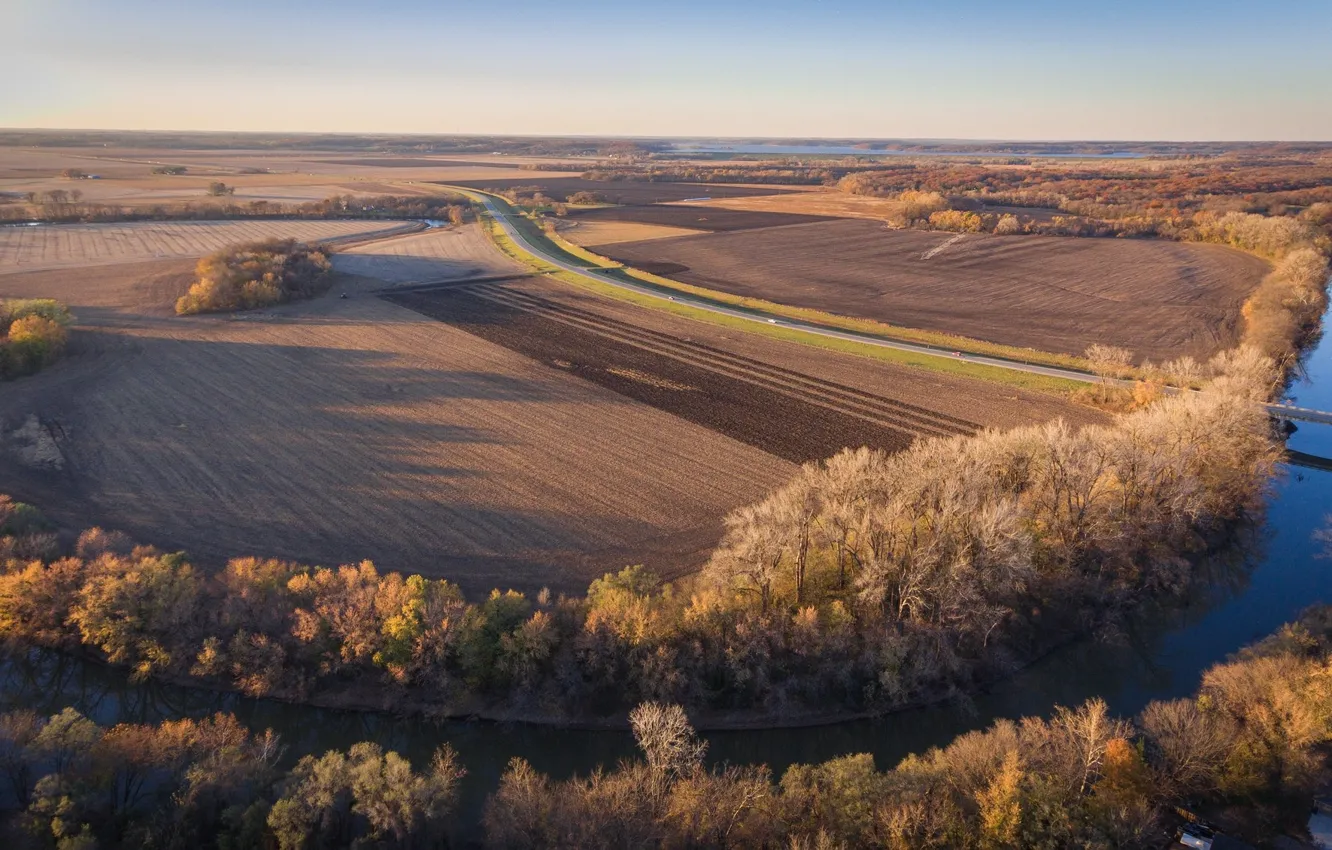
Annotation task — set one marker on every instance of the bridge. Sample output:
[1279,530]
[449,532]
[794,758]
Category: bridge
[1299,414]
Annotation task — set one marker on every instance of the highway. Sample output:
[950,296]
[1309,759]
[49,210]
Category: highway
[1281,411]
[758,318]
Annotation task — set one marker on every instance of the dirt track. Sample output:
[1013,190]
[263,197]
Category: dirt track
[1160,299]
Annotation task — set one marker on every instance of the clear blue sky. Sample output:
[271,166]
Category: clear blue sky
[1023,69]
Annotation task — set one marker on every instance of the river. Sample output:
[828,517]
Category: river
[1160,655]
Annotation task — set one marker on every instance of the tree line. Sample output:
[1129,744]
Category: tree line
[68,206]
[1281,315]
[1245,754]
[33,335]
[74,785]
[867,583]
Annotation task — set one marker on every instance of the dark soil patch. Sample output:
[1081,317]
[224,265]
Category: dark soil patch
[715,219]
[622,191]
[796,429]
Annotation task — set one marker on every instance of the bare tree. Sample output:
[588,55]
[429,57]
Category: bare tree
[667,739]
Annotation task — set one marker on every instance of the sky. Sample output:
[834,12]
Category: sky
[965,69]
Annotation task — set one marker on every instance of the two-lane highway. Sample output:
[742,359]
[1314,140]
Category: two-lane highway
[599,276]
[1283,411]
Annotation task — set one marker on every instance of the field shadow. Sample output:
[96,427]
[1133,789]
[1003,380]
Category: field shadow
[317,453]
[408,268]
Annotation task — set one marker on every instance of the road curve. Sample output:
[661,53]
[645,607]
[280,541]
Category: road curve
[818,330]
[1282,411]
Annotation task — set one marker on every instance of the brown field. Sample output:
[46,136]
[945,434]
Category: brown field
[438,254]
[70,245]
[1160,299]
[972,401]
[126,176]
[817,203]
[598,232]
[338,429]
[691,216]
[732,395]
[619,191]
[536,436]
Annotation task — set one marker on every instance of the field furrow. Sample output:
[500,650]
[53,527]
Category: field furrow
[25,248]
[876,410]
[923,415]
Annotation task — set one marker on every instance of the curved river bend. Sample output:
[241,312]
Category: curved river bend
[1161,655]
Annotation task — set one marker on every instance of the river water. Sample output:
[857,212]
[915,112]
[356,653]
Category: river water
[1161,655]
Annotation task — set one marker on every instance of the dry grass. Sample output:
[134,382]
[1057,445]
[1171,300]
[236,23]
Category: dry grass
[71,245]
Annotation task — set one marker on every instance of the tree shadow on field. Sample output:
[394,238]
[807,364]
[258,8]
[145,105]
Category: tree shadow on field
[390,269]
[331,455]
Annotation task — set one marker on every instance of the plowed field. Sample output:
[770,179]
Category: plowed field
[783,412]
[622,191]
[444,253]
[534,435]
[694,217]
[1160,299]
[335,430]
[68,245]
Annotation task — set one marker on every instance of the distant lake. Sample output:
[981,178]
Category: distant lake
[847,150]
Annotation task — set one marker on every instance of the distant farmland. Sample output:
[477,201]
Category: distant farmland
[622,192]
[697,218]
[1160,299]
[62,245]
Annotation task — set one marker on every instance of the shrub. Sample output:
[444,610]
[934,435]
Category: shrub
[33,334]
[257,274]
[957,221]
[917,206]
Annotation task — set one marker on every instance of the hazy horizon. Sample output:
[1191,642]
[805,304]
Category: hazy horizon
[1034,70]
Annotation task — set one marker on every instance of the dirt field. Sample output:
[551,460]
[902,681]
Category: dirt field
[596,232]
[710,218]
[1160,299]
[72,245]
[735,396]
[619,191]
[343,429]
[125,174]
[535,436]
[439,254]
[816,203]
